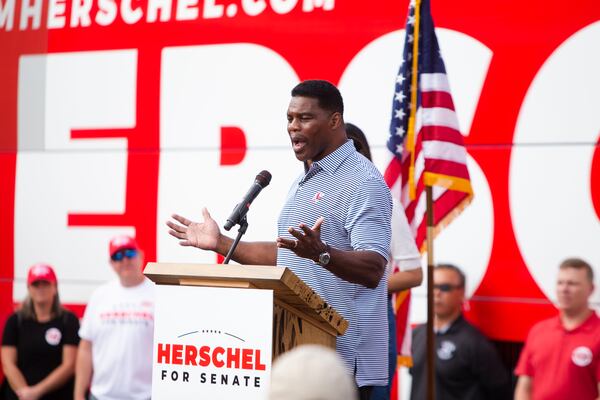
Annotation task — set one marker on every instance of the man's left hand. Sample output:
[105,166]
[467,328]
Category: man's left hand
[308,243]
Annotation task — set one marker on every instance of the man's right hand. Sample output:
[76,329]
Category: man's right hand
[203,235]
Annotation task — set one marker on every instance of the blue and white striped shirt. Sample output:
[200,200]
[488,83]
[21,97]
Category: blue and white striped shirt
[349,192]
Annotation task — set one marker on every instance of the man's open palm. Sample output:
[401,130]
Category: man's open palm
[204,235]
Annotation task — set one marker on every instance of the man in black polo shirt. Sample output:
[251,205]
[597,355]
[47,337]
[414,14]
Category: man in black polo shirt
[467,366]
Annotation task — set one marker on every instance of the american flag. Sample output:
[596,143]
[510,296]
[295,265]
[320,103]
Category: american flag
[425,140]
[427,148]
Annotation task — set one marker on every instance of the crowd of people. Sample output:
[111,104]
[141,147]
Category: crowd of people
[341,233]
[47,354]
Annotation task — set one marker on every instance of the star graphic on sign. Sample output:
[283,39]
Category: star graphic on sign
[400,131]
[399,96]
[400,114]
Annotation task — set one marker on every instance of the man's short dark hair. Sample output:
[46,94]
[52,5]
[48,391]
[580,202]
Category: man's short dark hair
[327,94]
[578,263]
[461,275]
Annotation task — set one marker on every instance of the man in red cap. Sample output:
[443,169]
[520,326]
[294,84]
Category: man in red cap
[115,352]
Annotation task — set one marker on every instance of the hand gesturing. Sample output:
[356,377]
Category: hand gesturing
[203,235]
[308,243]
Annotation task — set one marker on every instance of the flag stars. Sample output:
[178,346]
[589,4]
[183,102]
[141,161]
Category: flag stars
[399,96]
[399,149]
[400,79]
[400,131]
[400,114]
[410,39]
[411,20]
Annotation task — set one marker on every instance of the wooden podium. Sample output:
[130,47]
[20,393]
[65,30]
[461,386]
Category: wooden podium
[300,316]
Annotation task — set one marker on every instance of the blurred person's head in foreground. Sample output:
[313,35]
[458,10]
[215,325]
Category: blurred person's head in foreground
[311,372]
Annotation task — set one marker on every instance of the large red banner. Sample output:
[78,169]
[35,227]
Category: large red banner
[116,114]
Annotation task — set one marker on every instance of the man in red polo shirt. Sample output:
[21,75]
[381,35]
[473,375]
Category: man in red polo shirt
[561,357]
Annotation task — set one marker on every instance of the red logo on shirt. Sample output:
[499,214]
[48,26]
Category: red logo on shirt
[317,197]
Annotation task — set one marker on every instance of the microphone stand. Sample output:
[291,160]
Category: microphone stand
[243,226]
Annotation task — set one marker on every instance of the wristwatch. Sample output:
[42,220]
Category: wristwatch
[324,257]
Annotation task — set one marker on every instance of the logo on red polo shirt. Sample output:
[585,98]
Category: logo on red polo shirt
[582,356]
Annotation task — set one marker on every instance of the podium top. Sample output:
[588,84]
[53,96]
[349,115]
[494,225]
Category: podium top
[287,286]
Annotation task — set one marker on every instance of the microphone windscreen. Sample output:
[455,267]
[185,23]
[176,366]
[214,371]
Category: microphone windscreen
[263,178]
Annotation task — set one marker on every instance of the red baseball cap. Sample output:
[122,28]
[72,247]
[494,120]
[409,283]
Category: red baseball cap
[122,242]
[41,272]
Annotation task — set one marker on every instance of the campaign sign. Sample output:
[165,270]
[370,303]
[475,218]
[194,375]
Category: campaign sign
[212,343]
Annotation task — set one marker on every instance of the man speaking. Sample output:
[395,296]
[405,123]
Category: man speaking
[334,229]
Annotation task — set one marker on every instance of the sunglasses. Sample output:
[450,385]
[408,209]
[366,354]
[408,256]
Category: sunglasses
[119,255]
[446,287]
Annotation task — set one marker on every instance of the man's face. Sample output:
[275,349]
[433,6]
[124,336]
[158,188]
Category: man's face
[448,295]
[573,289]
[129,264]
[310,129]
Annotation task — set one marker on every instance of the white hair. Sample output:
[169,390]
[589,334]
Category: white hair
[311,372]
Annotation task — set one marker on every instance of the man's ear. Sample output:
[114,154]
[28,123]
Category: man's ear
[335,121]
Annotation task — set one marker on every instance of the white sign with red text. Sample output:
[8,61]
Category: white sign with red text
[212,343]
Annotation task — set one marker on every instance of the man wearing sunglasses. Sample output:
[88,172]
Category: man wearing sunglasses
[115,352]
[467,366]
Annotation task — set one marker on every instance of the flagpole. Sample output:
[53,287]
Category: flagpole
[422,55]
[430,337]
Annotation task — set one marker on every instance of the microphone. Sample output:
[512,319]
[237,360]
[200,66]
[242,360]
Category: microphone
[261,181]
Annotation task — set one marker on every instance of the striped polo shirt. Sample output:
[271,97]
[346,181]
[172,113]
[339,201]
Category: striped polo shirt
[349,192]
